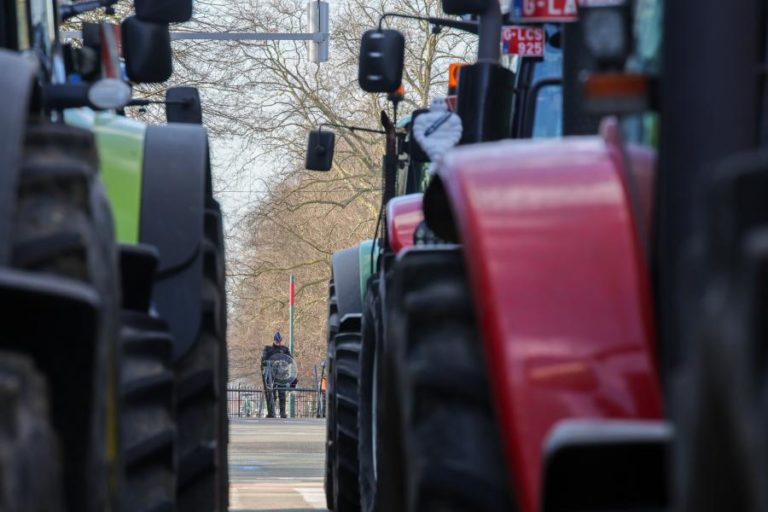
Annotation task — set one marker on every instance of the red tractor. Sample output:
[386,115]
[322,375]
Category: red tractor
[513,363]
[581,291]
[362,275]
[579,264]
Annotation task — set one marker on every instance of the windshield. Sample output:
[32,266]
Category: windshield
[548,117]
[548,89]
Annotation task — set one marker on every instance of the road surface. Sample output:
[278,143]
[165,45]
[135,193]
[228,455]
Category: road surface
[276,465]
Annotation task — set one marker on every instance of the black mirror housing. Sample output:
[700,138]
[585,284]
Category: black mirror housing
[382,53]
[147,50]
[164,11]
[460,7]
[320,145]
[182,105]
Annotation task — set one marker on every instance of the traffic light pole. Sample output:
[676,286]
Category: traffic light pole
[317,11]
[317,37]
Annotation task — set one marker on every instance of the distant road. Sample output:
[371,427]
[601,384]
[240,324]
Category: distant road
[276,465]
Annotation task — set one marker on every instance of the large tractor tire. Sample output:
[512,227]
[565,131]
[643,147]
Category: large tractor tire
[63,227]
[147,424]
[369,411]
[445,449]
[719,390]
[214,266]
[330,406]
[344,323]
[346,371]
[30,470]
[201,391]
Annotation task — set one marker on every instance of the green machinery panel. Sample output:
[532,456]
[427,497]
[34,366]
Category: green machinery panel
[120,143]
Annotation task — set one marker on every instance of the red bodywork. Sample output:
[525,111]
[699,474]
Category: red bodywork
[404,214]
[561,285]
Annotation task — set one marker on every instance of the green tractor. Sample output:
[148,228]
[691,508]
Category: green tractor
[113,357]
[172,259]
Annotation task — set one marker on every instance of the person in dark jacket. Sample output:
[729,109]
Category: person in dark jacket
[273,392]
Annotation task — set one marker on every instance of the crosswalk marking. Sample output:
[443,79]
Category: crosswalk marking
[314,496]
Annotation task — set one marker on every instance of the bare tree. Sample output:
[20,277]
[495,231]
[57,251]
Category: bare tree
[260,99]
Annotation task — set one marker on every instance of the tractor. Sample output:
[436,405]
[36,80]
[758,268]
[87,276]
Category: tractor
[578,295]
[124,407]
[362,276]
[172,261]
[706,243]
[515,366]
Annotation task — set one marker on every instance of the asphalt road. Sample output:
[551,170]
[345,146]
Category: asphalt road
[276,465]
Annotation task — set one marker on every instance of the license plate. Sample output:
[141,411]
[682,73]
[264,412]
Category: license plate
[523,41]
[545,10]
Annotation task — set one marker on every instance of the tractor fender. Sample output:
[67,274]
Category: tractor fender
[560,285]
[404,214]
[607,465]
[173,199]
[346,279]
[16,84]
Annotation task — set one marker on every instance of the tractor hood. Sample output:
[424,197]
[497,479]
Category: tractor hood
[120,143]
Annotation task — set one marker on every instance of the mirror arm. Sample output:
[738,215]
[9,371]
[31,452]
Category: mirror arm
[489,49]
[465,26]
[351,128]
[71,10]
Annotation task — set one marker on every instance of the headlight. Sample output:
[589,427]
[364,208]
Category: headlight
[607,33]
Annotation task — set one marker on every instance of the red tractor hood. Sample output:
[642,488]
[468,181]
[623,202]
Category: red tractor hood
[404,214]
[560,283]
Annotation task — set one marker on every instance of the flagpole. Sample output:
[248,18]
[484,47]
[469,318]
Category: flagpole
[291,300]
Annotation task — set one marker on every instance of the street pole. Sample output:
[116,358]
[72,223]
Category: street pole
[291,299]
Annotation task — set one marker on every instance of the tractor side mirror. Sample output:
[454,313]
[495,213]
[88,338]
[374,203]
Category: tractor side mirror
[182,105]
[147,50]
[382,53]
[460,7]
[320,150]
[164,11]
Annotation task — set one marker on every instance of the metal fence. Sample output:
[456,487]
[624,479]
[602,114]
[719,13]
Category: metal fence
[247,402]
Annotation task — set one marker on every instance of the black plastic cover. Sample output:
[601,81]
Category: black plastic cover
[382,53]
[147,50]
[16,80]
[183,105]
[164,11]
[320,145]
[172,219]
[607,465]
[485,98]
[576,59]
[346,279]
[138,263]
[459,7]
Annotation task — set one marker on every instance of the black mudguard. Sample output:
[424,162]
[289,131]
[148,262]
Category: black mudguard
[618,465]
[16,83]
[346,278]
[138,264]
[173,202]
[53,320]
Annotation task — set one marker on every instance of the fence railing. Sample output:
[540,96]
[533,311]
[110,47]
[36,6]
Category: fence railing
[251,402]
